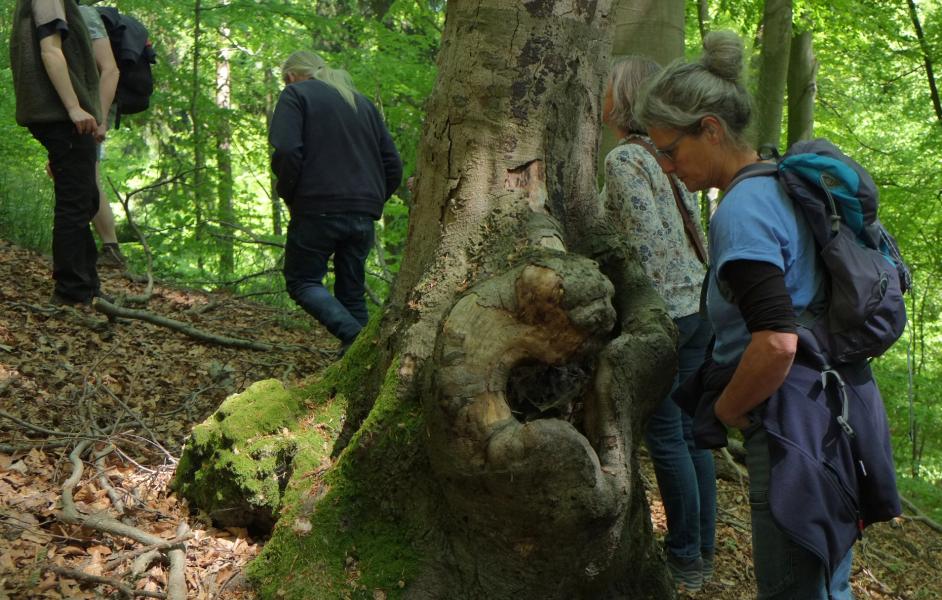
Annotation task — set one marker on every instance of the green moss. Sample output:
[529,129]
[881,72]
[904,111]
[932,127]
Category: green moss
[236,462]
[354,528]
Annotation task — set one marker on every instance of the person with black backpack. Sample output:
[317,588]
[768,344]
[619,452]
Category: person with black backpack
[815,429]
[104,224]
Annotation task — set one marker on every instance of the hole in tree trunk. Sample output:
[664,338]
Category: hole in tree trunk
[537,390]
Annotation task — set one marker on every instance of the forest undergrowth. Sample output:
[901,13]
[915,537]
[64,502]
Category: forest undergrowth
[132,390]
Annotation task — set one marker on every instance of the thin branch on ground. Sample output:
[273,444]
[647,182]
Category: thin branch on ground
[105,482]
[918,515]
[106,524]
[125,590]
[107,308]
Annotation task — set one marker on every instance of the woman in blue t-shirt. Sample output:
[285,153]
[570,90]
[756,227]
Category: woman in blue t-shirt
[763,273]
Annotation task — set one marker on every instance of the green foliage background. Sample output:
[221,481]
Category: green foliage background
[872,100]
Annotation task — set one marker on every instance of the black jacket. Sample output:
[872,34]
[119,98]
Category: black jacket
[329,158]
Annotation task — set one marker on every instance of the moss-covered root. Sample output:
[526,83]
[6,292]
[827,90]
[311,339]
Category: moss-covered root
[236,463]
[358,528]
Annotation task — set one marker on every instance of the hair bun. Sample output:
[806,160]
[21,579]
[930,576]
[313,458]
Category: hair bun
[723,55]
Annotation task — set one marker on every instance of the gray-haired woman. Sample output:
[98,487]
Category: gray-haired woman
[764,273]
[659,218]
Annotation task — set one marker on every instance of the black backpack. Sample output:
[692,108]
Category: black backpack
[134,55]
[864,312]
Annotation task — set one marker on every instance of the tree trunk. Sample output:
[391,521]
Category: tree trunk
[495,411]
[802,84]
[773,70]
[276,213]
[225,212]
[196,117]
[653,28]
[927,59]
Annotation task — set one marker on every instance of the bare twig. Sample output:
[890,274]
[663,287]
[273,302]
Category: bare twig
[918,515]
[125,590]
[176,580]
[204,336]
[120,557]
[105,482]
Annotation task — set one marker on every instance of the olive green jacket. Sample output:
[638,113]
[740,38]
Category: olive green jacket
[36,99]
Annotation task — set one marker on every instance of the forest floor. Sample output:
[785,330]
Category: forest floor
[68,373]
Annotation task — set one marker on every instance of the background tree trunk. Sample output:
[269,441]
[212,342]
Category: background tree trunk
[802,83]
[773,69]
[494,413]
[653,28]
[225,211]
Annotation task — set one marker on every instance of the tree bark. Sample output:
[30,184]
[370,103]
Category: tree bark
[802,85]
[773,70]
[494,413]
[225,212]
[927,59]
[652,28]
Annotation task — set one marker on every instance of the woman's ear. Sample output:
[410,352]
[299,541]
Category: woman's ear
[711,127]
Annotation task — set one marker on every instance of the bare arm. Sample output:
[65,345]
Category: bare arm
[108,81]
[761,371]
[50,48]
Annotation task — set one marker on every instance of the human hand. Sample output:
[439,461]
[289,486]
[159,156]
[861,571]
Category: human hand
[101,132]
[84,121]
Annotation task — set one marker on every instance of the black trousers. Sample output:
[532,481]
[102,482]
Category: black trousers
[72,160]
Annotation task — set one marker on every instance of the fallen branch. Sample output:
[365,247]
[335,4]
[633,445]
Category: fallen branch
[120,557]
[918,515]
[126,590]
[107,308]
[106,524]
[105,482]
[176,580]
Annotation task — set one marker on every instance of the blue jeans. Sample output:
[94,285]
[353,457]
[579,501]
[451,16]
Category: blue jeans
[685,474]
[784,570]
[312,240]
[74,255]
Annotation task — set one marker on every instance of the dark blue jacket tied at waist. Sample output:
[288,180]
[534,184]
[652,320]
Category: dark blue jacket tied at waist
[832,468]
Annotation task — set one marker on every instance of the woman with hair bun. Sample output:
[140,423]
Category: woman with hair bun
[808,496]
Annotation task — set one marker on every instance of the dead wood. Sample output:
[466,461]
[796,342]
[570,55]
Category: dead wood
[125,590]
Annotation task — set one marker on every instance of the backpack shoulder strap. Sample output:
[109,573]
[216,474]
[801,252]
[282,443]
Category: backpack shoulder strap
[759,169]
[693,233]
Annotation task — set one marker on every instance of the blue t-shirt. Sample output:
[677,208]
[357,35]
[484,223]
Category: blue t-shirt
[757,221]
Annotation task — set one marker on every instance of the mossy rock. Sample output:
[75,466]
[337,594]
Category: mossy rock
[237,462]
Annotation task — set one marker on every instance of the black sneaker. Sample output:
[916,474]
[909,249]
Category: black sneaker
[110,256]
[686,573]
[58,299]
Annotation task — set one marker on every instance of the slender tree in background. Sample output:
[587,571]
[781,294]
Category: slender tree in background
[802,83]
[773,71]
[927,59]
[225,210]
[496,418]
[652,28]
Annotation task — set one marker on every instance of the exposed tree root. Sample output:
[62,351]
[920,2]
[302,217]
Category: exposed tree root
[176,585]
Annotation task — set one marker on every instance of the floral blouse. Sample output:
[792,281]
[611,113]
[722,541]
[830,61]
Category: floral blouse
[637,194]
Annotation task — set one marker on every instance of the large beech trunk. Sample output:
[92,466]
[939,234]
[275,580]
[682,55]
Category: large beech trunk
[521,336]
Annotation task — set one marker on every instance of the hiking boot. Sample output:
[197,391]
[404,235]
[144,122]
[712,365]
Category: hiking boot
[58,299]
[110,256]
[707,558]
[686,572]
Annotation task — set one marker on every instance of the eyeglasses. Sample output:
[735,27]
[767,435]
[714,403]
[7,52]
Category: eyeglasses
[668,150]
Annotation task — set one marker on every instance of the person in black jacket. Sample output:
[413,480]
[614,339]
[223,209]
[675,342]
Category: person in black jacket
[336,166]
